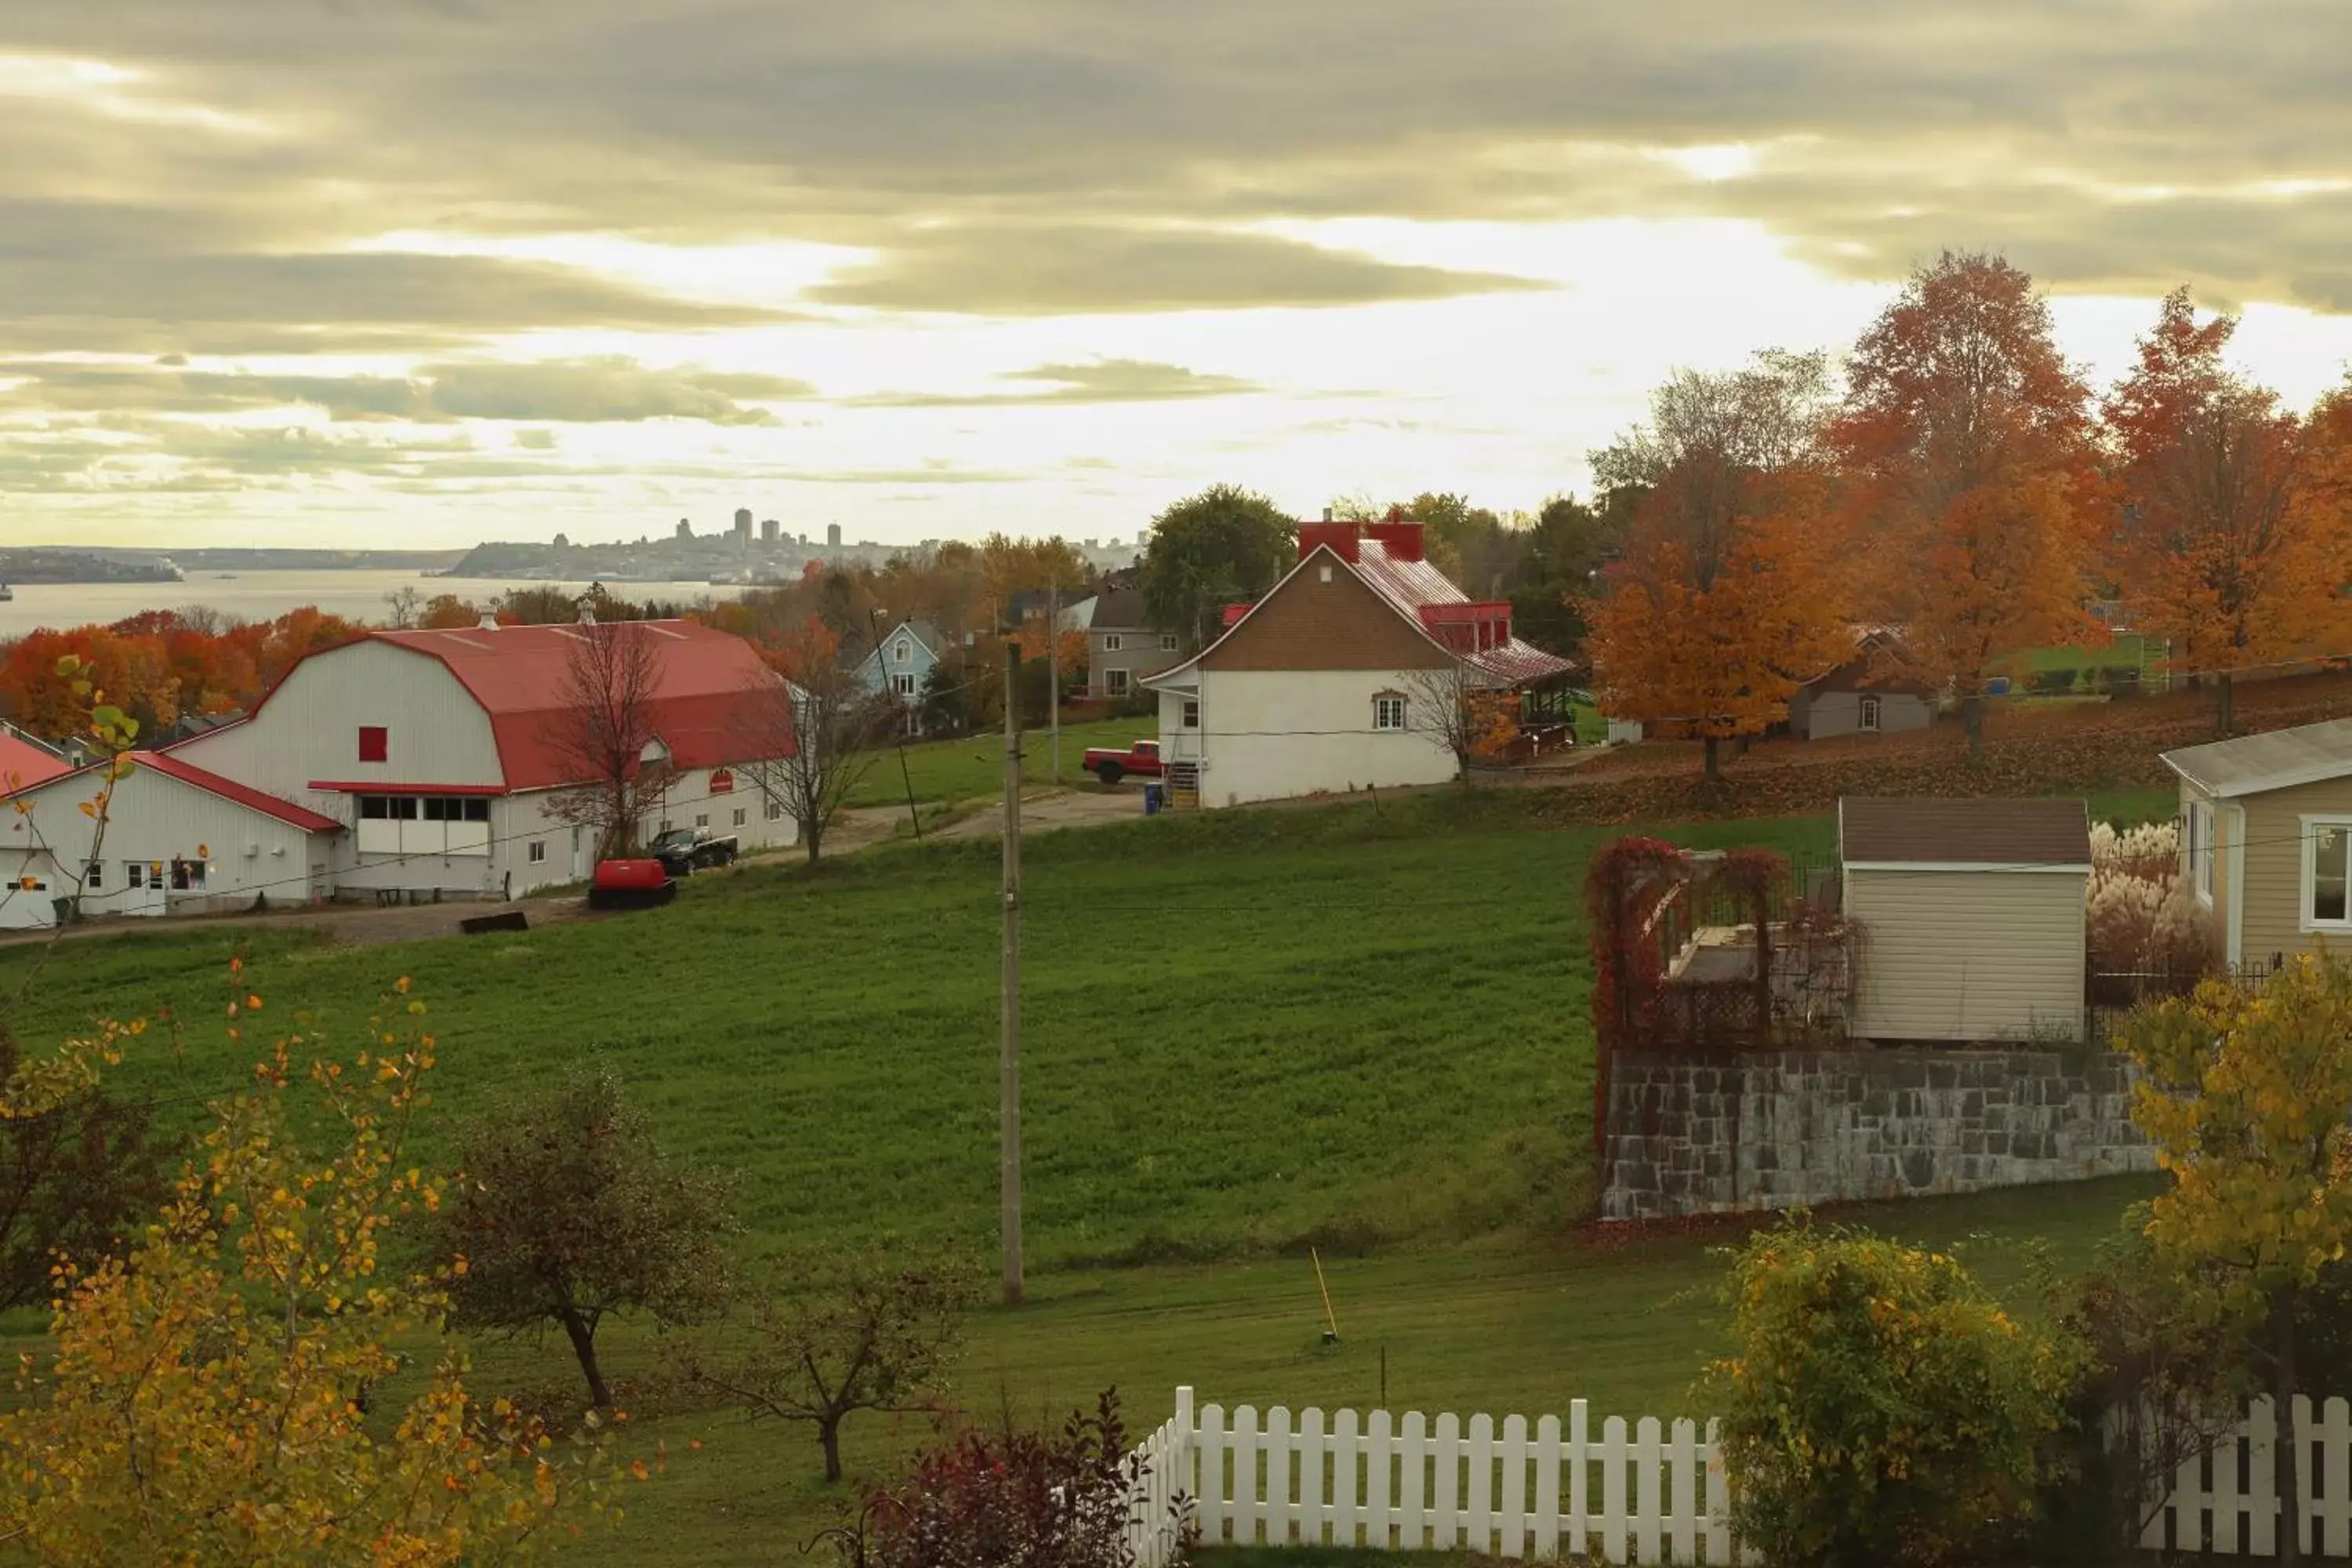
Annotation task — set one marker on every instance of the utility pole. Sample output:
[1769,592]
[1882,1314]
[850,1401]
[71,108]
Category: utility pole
[1054,672]
[1008,1035]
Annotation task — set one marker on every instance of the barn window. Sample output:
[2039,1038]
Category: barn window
[477,809]
[375,743]
[775,811]
[1387,712]
[738,817]
[537,850]
[2328,872]
[138,872]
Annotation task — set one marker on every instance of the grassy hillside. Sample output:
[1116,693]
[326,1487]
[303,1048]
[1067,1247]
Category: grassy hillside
[1240,1031]
[974,766]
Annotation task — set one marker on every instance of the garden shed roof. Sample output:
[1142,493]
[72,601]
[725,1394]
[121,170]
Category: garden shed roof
[1983,834]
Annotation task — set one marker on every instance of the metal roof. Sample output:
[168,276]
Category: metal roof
[2252,765]
[1988,833]
[24,765]
[1410,585]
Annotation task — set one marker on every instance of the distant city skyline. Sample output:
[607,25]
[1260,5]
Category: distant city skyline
[426,274]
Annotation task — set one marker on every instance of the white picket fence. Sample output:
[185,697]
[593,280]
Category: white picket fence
[1382,1483]
[2228,1501]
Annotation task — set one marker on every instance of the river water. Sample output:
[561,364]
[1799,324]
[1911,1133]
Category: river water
[259,595]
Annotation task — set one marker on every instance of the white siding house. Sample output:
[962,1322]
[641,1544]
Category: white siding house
[1972,917]
[1337,679]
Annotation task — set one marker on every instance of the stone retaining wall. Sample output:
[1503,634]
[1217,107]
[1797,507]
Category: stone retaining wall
[1783,1129]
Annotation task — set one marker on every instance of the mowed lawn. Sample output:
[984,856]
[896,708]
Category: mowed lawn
[1354,1027]
[974,767]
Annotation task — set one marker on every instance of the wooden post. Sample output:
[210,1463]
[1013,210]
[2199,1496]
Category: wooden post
[1008,1042]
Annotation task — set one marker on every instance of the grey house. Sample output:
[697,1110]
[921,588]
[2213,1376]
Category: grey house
[1121,650]
[1866,694]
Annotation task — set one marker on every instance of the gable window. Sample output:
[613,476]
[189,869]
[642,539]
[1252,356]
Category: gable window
[375,743]
[537,850]
[1191,713]
[1113,642]
[2201,848]
[1115,682]
[1870,715]
[1387,712]
[1166,642]
[2327,873]
[905,650]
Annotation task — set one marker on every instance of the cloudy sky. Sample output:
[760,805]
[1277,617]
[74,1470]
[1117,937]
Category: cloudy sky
[391,271]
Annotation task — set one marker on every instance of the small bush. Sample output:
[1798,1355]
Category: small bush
[1879,1405]
[1010,1498]
[2053,682]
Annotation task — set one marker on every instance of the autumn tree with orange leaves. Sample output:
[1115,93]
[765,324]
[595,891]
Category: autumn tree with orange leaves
[2230,545]
[1965,444]
[1727,597]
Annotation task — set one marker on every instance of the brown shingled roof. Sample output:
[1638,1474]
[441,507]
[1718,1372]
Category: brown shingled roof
[1989,832]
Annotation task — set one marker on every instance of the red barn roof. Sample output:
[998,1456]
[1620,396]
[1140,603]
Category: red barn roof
[520,676]
[187,773]
[24,765]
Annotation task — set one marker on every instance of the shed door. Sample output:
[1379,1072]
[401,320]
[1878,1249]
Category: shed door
[1970,955]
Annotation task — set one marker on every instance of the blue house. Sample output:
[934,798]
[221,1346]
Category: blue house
[900,664]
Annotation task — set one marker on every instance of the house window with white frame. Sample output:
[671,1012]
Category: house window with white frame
[2327,873]
[537,851]
[1113,642]
[1387,712]
[905,650]
[904,685]
[775,811]
[1191,713]
[2200,827]
[1166,642]
[1115,682]
[1870,715]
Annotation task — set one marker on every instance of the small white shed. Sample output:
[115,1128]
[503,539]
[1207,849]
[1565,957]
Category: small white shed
[1971,914]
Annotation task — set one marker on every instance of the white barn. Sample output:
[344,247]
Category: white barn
[441,753]
[176,840]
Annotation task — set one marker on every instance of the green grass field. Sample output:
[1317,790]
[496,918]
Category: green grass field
[974,766]
[1359,1027]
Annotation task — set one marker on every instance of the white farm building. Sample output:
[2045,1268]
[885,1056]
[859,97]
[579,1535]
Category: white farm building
[411,765]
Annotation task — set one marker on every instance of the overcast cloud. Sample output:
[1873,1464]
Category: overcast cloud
[735,242]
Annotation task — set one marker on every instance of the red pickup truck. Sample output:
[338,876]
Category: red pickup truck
[1141,759]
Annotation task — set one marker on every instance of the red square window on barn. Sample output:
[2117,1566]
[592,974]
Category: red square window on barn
[375,743]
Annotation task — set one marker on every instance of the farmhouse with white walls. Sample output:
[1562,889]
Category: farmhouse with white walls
[413,764]
[1335,680]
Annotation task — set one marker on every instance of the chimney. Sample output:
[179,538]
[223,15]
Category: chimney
[489,623]
[1327,514]
[1340,536]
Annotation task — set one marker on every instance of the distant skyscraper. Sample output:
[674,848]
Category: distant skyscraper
[833,536]
[743,523]
[769,529]
[563,541]
[685,529]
